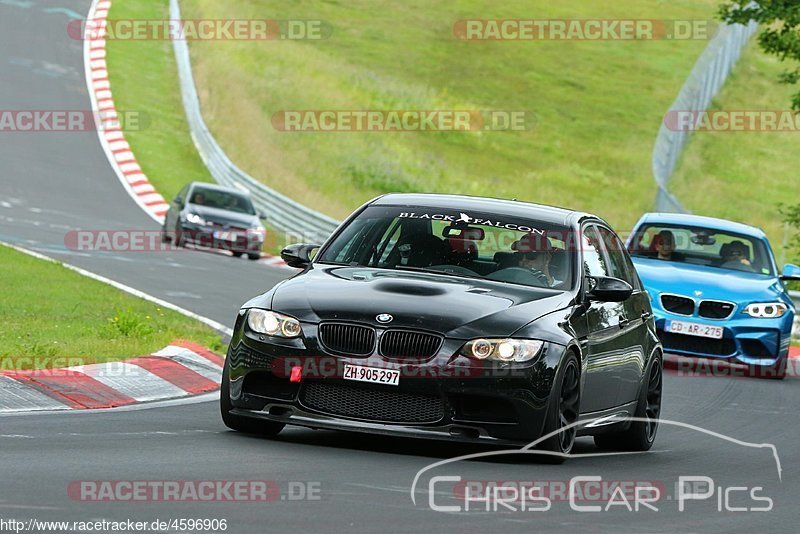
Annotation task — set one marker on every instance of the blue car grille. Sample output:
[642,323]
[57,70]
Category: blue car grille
[677,304]
[715,309]
[696,345]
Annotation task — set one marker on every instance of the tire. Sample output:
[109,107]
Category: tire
[165,238]
[564,410]
[640,435]
[237,422]
[254,256]
[178,237]
[237,254]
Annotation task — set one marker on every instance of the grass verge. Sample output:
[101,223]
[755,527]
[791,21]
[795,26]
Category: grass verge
[597,104]
[744,176]
[51,315]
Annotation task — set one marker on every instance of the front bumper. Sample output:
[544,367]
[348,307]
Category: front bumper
[235,240]
[745,340]
[447,397]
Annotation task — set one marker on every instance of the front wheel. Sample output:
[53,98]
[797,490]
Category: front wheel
[237,422]
[563,413]
[641,435]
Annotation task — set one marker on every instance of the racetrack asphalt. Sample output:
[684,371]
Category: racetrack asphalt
[52,183]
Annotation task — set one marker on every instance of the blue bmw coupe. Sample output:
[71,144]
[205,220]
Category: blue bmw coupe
[715,289]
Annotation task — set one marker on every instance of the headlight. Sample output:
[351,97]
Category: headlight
[195,219]
[504,350]
[273,324]
[766,310]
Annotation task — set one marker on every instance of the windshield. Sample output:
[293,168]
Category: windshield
[224,200]
[475,245]
[703,246]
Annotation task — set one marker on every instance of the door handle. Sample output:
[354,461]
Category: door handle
[623,322]
[646,315]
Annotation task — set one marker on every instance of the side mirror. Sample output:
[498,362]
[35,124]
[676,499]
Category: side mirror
[178,200]
[790,273]
[607,289]
[299,255]
[263,215]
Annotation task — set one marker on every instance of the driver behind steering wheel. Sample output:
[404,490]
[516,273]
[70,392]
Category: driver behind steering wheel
[534,252]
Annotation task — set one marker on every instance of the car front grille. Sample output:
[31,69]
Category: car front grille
[715,309]
[677,304]
[371,404]
[408,344]
[696,345]
[347,339]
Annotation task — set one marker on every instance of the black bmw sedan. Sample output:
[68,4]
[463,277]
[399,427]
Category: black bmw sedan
[457,318]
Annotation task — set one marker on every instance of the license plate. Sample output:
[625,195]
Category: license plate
[694,329]
[373,375]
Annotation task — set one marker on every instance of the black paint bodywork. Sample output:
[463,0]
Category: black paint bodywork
[613,341]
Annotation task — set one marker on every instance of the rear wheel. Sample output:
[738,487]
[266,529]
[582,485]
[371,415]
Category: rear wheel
[254,256]
[563,412]
[641,435]
[237,422]
[237,254]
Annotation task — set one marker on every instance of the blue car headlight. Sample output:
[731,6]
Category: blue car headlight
[766,310]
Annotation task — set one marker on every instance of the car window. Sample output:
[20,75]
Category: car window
[620,264]
[594,262]
[496,247]
[225,200]
[703,246]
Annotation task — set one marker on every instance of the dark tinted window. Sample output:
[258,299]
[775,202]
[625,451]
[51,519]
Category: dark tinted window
[594,263]
[620,263]
[474,245]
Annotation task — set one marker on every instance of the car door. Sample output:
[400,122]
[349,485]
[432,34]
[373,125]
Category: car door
[604,343]
[633,322]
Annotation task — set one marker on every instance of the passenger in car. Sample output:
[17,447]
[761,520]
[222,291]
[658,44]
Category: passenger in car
[664,246]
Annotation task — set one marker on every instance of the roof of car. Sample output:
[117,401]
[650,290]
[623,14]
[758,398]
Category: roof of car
[703,222]
[511,208]
[217,187]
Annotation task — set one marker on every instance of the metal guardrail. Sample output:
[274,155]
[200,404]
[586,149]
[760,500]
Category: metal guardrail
[796,331]
[704,82]
[283,213]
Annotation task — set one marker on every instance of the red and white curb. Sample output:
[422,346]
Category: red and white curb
[112,137]
[180,370]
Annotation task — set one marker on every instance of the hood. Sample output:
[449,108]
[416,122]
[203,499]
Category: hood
[460,308]
[224,217]
[718,284]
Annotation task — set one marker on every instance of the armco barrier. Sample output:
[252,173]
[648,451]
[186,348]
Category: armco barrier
[796,297]
[704,82]
[282,212]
